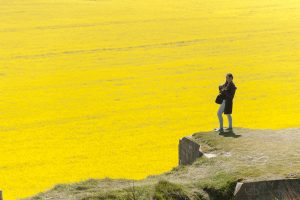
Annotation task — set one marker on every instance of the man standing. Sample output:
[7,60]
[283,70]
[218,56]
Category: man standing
[228,91]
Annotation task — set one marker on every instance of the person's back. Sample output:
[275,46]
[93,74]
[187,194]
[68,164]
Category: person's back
[230,92]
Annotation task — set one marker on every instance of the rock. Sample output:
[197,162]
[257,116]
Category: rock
[188,151]
[285,189]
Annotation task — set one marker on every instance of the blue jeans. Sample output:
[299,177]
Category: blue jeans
[220,112]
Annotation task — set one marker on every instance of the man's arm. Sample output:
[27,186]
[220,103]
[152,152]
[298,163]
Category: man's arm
[222,88]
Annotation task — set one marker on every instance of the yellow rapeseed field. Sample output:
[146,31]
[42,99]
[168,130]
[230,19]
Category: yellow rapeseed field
[105,88]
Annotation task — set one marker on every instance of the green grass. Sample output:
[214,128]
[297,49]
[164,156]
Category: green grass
[221,186]
[165,190]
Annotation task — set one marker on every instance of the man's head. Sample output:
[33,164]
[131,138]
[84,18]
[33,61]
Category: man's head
[229,77]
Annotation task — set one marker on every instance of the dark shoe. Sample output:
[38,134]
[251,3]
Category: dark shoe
[221,130]
[228,129]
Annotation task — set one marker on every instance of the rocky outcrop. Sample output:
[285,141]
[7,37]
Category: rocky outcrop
[286,189]
[188,150]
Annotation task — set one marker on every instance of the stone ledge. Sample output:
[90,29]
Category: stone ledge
[188,150]
[284,189]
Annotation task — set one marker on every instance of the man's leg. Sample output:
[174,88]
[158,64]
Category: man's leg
[229,121]
[219,113]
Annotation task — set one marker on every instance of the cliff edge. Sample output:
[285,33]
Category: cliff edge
[241,164]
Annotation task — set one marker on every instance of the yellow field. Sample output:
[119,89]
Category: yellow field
[94,89]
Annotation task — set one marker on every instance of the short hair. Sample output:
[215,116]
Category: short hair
[230,75]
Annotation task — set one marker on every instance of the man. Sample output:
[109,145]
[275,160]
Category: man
[228,91]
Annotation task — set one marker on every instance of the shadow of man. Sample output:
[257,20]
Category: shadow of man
[230,133]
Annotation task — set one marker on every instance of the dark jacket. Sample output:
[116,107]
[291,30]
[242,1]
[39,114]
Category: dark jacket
[228,95]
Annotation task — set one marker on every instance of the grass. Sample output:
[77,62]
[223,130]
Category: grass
[221,186]
[165,190]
